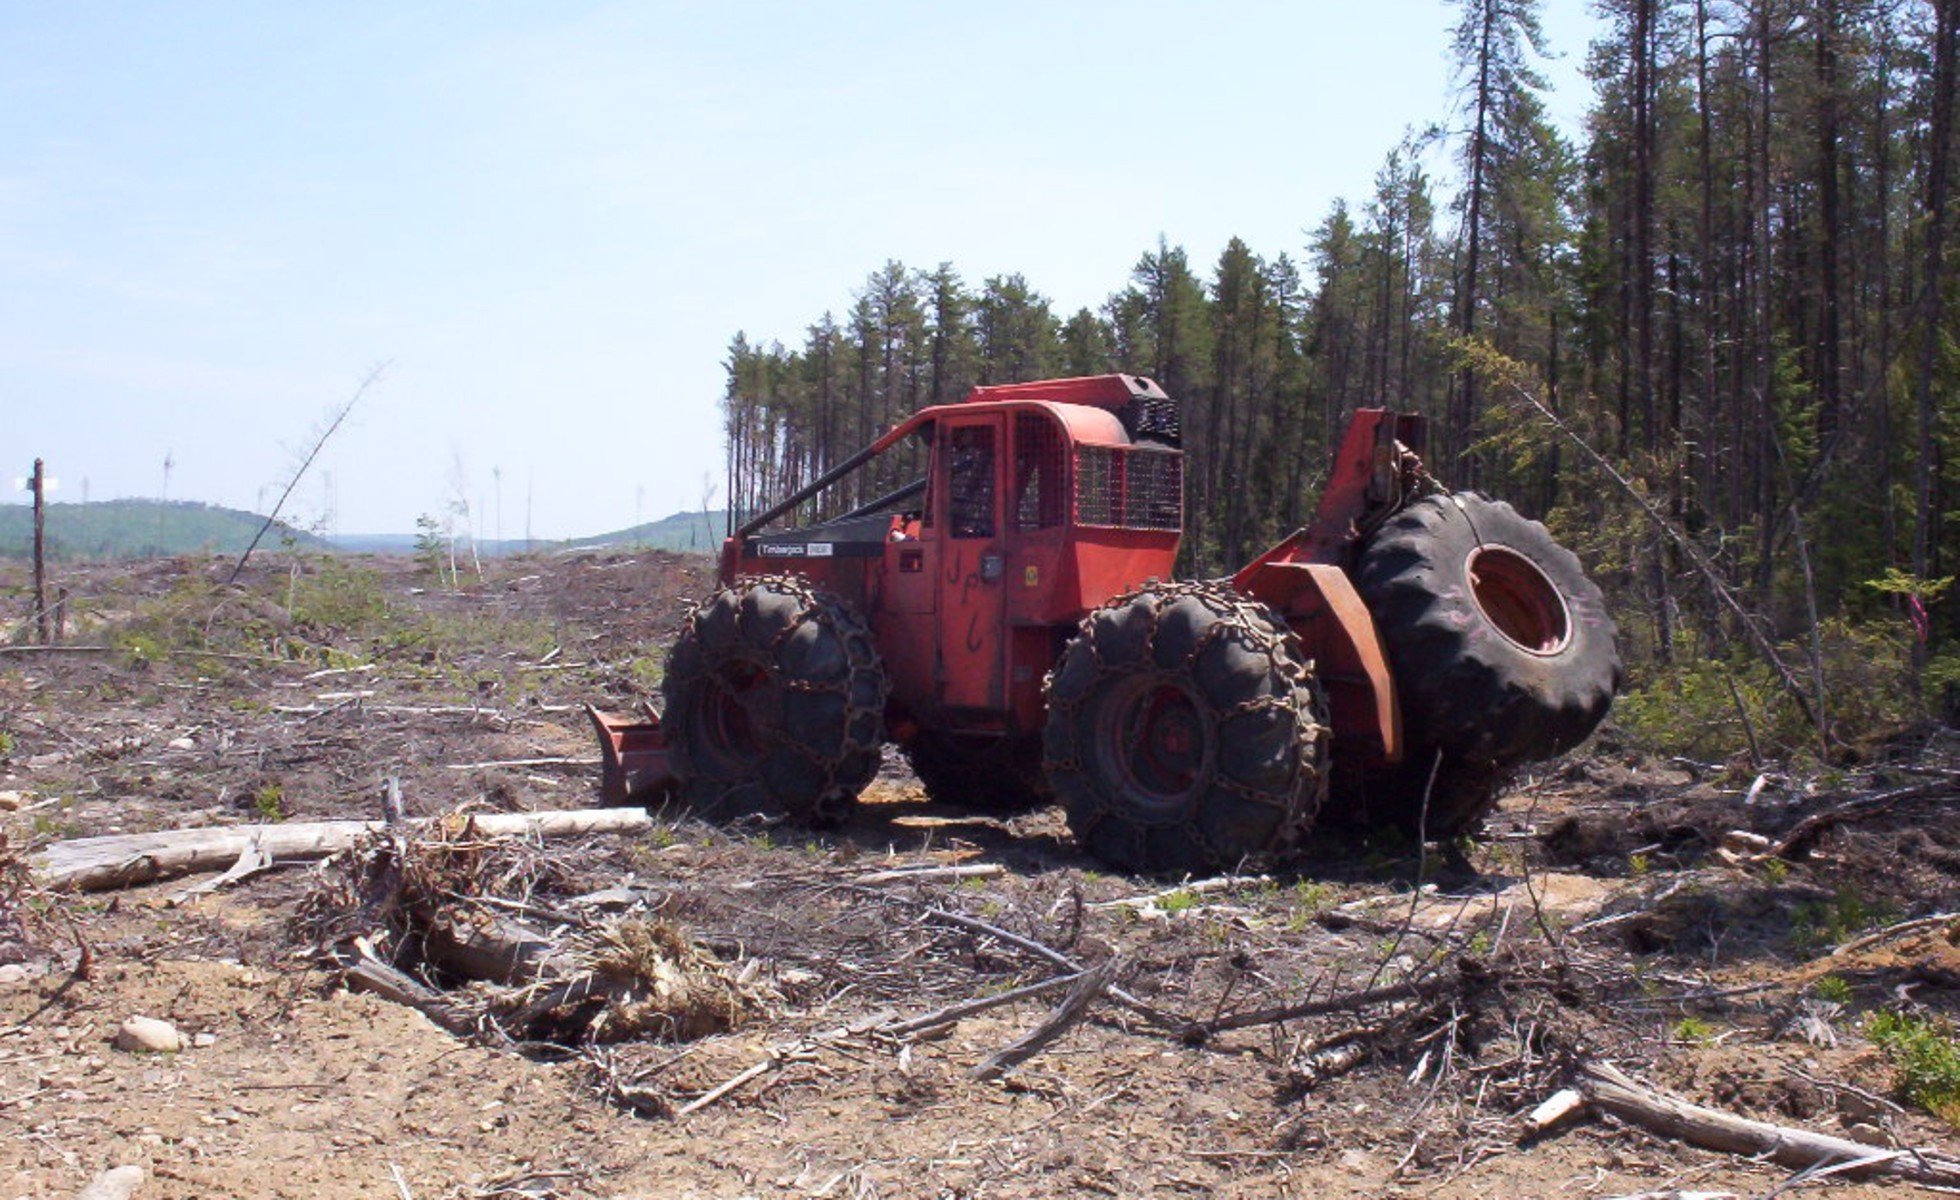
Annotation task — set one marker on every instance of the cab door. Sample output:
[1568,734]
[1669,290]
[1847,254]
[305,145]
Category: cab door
[972,562]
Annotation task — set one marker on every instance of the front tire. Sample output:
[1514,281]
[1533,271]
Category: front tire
[1185,731]
[1502,653]
[775,703]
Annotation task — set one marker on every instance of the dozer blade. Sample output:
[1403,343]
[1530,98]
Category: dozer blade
[633,757]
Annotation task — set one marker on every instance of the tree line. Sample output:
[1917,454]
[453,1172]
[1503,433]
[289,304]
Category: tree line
[1735,288]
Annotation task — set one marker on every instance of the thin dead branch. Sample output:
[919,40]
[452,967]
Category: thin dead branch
[1074,1006]
[939,1018]
[1148,1012]
[1804,834]
[1470,975]
[333,425]
[1710,574]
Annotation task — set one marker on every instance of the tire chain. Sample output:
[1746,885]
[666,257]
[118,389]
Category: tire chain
[838,796]
[1284,654]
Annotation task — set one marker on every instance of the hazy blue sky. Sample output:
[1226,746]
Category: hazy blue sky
[551,218]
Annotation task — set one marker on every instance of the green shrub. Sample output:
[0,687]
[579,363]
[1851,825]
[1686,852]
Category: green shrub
[1925,1061]
[1834,989]
[1817,925]
[1177,902]
[333,598]
[1687,708]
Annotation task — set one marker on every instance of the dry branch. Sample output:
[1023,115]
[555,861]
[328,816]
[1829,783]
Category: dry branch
[495,764]
[1717,585]
[1557,1108]
[339,417]
[1196,888]
[1469,974]
[1609,1090]
[432,901]
[1067,1015]
[372,975]
[1148,1012]
[253,860]
[952,1013]
[776,1057]
[917,874]
[1805,833]
[496,948]
[126,860]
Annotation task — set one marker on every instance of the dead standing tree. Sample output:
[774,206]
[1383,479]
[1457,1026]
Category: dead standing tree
[333,425]
[40,486]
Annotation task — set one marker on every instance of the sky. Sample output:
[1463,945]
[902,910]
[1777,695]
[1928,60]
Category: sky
[545,222]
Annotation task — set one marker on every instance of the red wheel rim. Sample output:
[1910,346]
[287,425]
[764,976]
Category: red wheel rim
[1161,743]
[1518,600]
[730,692]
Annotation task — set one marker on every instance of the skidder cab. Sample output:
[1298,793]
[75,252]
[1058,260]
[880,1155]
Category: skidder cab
[1006,618]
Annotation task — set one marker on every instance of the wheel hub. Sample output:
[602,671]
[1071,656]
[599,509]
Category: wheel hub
[731,692]
[1518,600]
[1162,750]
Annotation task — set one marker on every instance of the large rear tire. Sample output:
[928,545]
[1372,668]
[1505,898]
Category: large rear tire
[775,703]
[1185,731]
[1502,652]
[986,773]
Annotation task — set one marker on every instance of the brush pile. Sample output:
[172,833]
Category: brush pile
[484,935]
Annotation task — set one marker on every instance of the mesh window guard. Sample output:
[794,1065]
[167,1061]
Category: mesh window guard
[1038,494]
[1138,488]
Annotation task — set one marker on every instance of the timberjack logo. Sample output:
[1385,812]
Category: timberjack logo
[798,550]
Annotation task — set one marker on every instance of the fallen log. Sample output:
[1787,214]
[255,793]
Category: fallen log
[125,860]
[1611,1091]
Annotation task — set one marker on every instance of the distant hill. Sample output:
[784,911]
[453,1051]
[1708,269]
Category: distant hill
[696,531]
[404,543]
[150,528]
[681,531]
[140,529]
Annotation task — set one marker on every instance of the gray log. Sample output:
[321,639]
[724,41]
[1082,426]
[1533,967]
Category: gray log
[126,860]
[1610,1091]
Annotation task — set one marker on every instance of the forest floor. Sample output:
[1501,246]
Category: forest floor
[1598,916]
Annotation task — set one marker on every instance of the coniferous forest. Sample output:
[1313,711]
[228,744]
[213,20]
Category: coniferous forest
[1715,345]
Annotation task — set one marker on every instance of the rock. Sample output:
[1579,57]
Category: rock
[147,1035]
[117,1183]
[182,743]
[1853,1108]
[203,1040]
[1868,1133]
[13,975]
[11,801]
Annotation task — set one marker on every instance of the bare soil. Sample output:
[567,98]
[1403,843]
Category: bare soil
[1594,915]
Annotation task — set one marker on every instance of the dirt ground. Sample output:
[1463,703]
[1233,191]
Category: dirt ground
[1594,917]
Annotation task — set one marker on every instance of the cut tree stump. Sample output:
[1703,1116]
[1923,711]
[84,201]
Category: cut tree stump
[125,860]
[499,949]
